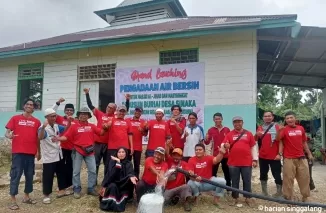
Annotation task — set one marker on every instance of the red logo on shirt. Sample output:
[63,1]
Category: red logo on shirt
[26,123]
[244,136]
[120,123]
[295,133]
[135,123]
[105,118]
[159,126]
[84,129]
[201,165]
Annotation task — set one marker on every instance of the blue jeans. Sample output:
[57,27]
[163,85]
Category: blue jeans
[22,163]
[245,172]
[198,187]
[77,160]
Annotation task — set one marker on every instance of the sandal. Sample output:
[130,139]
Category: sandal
[13,206]
[29,201]
[61,195]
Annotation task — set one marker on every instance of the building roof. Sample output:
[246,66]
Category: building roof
[286,61]
[131,2]
[157,27]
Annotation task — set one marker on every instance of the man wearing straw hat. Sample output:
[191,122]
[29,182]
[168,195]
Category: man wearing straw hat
[82,133]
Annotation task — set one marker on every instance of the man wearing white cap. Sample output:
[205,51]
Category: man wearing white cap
[52,157]
[159,133]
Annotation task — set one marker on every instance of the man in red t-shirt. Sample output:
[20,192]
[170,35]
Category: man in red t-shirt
[101,146]
[120,134]
[23,130]
[159,133]
[176,186]
[67,146]
[82,134]
[201,166]
[154,170]
[293,141]
[177,124]
[243,155]
[216,134]
[268,150]
[138,132]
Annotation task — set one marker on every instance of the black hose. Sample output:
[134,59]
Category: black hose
[282,201]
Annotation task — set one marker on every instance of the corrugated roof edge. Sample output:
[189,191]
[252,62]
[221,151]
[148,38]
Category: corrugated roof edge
[289,22]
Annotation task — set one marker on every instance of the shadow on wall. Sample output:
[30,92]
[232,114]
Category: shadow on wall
[247,112]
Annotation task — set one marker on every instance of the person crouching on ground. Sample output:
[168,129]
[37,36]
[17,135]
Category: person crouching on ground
[118,183]
[154,170]
[243,155]
[52,157]
[176,187]
[295,165]
[82,133]
[201,166]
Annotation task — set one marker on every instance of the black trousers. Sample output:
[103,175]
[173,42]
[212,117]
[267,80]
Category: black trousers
[67,168]
[225,169]
[311,183]
[48,175]
[143,188]
[276,169]
[245,172]
[100,151]
[136,158]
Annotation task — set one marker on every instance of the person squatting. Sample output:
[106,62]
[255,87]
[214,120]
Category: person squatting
[64,142]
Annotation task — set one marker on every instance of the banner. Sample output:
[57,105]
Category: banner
[162,87]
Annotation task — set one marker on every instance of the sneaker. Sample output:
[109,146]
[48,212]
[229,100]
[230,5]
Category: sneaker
[93,193]
[77,195]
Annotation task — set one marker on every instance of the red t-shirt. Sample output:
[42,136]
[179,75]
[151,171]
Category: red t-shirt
[158,132]
[137,136]
[175,134]
[101,119]
[202,166]
[119,134]
[240,153]
[218,137]
[293,139]
[82,135]
[62,120]
[26,134]
[149,177]
[180,178]
[268,150]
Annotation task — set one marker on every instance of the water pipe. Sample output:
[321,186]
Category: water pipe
[277,200]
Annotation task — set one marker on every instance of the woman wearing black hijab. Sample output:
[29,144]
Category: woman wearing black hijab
[118,183]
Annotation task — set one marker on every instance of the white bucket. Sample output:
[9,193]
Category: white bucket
[150,203]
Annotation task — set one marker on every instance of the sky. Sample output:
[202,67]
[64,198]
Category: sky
[29,20]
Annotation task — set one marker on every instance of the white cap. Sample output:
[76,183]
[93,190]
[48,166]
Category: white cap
[160,110]
[49,111]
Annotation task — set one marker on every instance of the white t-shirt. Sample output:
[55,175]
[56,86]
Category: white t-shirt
[51,151]
[195,136]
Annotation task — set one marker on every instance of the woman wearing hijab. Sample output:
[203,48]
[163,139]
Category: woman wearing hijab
[118,183]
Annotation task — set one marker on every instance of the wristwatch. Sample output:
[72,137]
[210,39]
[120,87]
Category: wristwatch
[280,154]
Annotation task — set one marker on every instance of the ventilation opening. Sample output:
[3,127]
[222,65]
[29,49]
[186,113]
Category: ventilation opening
[148,15]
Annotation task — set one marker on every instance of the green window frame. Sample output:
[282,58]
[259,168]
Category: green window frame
[30,84]
[179,56]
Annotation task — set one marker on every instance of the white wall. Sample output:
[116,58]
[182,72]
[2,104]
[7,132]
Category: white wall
[230,76]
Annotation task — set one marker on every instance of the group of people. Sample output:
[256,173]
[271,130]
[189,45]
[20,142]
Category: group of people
[64,142]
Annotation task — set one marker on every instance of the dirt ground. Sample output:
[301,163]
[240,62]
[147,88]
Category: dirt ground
[90,204]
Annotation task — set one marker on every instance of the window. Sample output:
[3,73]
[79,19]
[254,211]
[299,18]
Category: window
[179,56]
[96,72]
[30,84]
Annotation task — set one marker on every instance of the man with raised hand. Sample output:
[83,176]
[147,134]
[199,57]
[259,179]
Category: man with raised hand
[22,129]
[101,142]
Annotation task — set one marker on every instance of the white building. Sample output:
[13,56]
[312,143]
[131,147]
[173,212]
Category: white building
[145,33]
